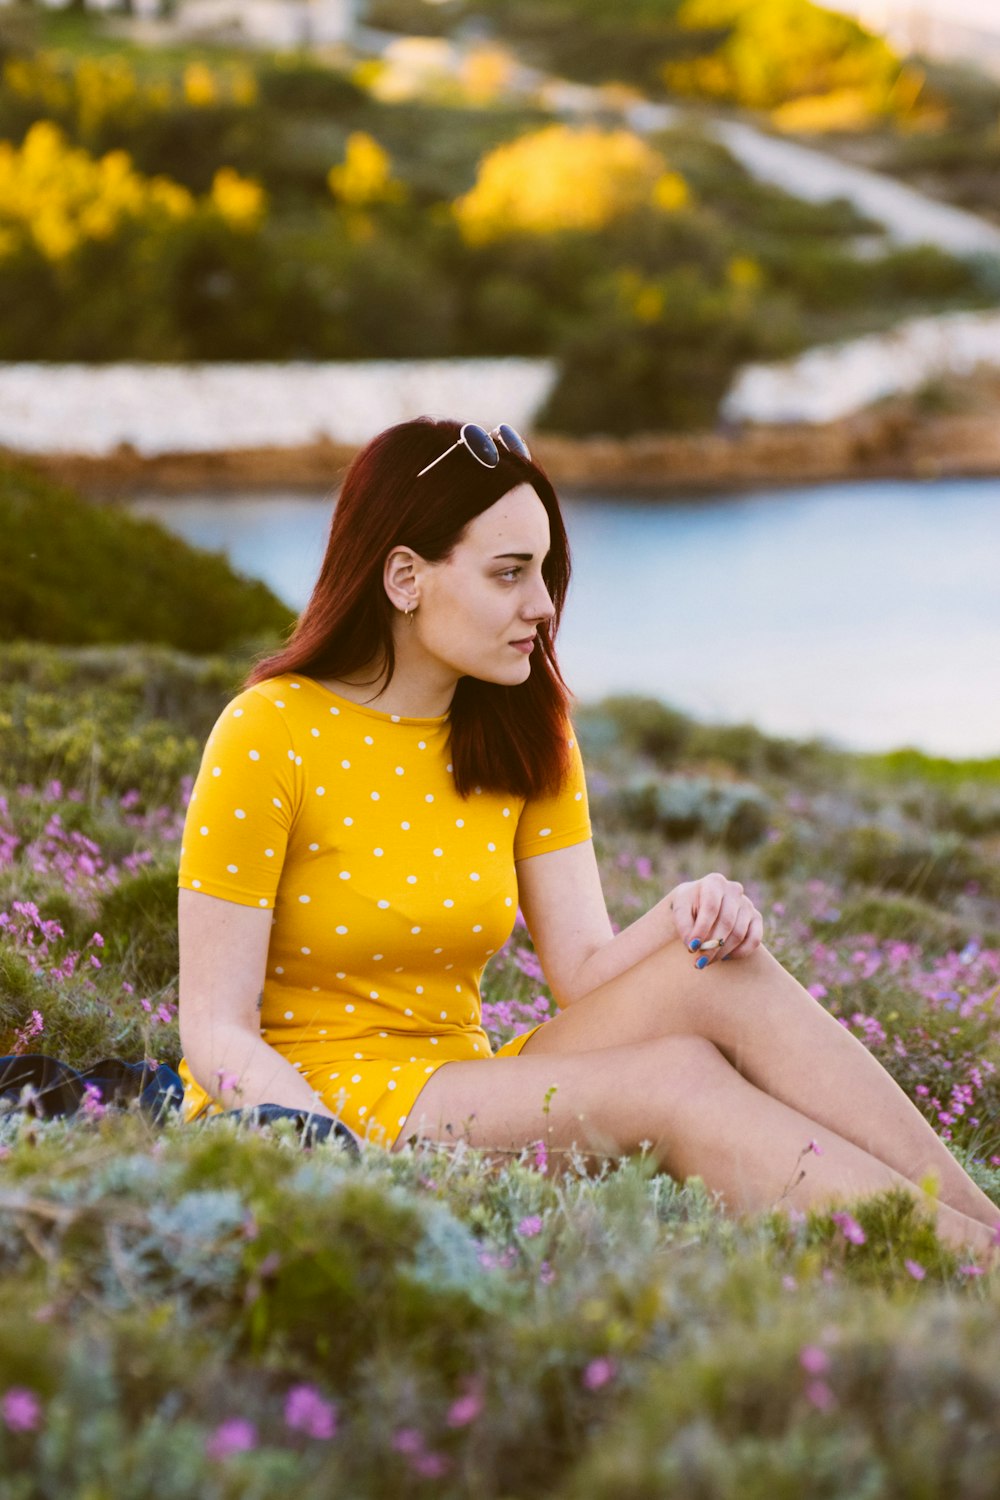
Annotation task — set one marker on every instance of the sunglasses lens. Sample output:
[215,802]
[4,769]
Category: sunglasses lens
[513,441]
[480,445]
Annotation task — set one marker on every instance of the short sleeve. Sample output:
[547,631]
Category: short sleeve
[558,821]
[242,804]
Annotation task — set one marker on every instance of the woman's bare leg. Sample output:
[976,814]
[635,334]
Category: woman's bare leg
[780,1039]
[679,1094]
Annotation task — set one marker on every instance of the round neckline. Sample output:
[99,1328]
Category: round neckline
[371,713]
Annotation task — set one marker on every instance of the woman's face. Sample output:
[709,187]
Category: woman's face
[477,602]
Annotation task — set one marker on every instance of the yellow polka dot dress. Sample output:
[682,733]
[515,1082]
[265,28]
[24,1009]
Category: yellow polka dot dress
[390,892]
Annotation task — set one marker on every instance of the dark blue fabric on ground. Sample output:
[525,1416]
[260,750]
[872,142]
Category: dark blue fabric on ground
[60,1090]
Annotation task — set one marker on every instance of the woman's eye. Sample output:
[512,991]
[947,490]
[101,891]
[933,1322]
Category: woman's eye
[508,571]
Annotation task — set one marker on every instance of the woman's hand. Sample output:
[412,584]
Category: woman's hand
[715,908]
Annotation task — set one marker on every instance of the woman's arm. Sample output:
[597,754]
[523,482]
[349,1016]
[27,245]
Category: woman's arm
[223,954]
[563,905]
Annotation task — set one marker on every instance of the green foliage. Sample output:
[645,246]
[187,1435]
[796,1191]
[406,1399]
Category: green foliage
[925,867]
[200,1273]
[733,814]
[73,571]
[140,917]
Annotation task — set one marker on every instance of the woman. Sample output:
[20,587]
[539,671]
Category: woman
[373,807]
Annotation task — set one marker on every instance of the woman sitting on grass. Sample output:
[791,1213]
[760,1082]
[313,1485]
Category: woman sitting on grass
[373,807]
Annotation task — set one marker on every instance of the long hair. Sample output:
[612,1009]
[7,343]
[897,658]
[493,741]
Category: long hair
[503,739]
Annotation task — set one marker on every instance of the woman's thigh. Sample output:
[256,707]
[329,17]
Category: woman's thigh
[665,995]
[604,1102]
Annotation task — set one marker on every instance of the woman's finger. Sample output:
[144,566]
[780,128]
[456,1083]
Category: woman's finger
[753,939]
[682,909]
[740,931]
[725,924]
[709,895]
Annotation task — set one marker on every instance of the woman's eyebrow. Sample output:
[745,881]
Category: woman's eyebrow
[520,556]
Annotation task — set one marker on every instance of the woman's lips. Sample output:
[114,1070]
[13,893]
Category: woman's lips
[526,645]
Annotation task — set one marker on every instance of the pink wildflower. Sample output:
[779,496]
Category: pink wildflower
[915,1269]
[819,1395]
[971,1270]
[849,1228]
[97,940]
[466,1409]
[431,1465]
[815,1148]
[20,1409]
[598,1373]
[530,1226]
[546,1273]
[307,1411]
[234,1435]
[814,1360]
[408,1440]
[541,1156]
[91,1105]
[32,1028]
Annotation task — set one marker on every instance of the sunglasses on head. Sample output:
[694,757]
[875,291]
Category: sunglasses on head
[482,447]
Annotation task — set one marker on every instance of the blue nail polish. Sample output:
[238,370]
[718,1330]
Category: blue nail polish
[702,961]
[726,957]
[694,944]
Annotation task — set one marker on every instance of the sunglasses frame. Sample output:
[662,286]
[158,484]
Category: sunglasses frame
[521,451]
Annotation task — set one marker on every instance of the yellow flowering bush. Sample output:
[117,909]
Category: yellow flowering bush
[58,197]
[560,178]
[95,98]
[364,178]
[773,51]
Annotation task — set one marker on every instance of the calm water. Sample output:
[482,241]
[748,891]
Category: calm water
[868,613]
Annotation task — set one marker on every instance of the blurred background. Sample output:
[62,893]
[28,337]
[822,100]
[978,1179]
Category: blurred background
[733,266]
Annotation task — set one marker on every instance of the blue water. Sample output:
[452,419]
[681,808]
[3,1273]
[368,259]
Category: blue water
[867,613]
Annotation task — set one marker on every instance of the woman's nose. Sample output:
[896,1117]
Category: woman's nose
[544,608]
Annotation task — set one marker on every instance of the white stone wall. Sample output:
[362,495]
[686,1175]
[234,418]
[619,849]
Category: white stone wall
[833,380]
[205,408]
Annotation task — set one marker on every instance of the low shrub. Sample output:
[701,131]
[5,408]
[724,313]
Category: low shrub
[682,807]
[75,572]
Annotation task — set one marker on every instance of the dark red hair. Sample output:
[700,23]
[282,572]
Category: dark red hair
[503,739]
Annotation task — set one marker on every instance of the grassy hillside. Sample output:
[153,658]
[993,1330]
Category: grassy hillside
[195,1310]
[75,572]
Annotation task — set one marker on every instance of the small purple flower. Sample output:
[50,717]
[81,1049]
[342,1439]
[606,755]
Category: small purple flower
[814,1360]
[530,1226]
[431,1465]
[466,1409]
[849,1228]
[20,1409]
[408,1440]
[971,1271]
[91,1105]
[309,1412]
[820,1396]
[598,1373]
[546,1273]
[234,1435]
[915,1269]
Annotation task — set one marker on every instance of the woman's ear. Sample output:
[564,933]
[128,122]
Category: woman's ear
[400,577]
